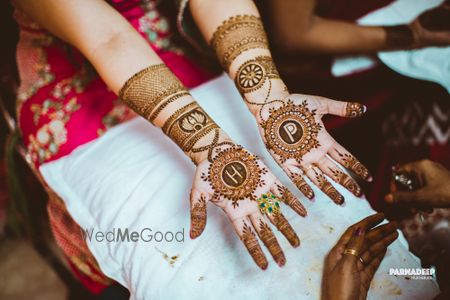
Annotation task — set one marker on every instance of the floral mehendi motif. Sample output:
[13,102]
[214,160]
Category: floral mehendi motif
[270,241]
[350,162]
[291,131]
[251,243]
[252,74]
[346,181]
[328,188]
[198,216]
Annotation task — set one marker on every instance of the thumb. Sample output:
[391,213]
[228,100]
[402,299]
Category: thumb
[198,213]
[345,109]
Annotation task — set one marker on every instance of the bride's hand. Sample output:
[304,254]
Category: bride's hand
[293,131]
[250,195]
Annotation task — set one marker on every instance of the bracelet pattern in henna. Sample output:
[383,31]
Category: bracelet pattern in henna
[151,87]
[291,131]
[236,35]
[188,125]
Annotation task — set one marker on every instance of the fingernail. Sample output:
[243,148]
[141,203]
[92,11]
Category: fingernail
[358,231]
[364,109]
[389,198]
[370,179]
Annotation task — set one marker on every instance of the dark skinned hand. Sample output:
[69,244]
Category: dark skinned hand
[345,277]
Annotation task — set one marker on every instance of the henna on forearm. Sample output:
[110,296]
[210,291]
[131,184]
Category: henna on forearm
[236,35]
[157,95]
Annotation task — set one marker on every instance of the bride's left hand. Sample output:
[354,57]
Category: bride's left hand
[294,134]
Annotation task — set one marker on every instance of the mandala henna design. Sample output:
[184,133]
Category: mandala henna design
[253,73]
[354,110]
[148,88]
[198,217]
[347,182]
[286,229]
[328,188]
[303,186]
[291,131]
[234,173]
[252,245]
[236,35]
[289,199]
[270,241]
[350,162]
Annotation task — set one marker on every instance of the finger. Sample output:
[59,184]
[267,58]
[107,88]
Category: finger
[372,267]
[380,232]
[365,223]
[418,198]
[268,238]
[248,237]
[302,185]
[286,229]
[379,247]
[323,184]
[342,156]
[198,213]
[287,197]
[355,243]
[329,168]
[343,109]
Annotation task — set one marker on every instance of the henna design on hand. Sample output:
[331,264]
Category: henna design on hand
[251,243]
[288,198]
[270,241]
[236,35]
[234,173]
[291,131]
[354,110]
[328,188]
[286,229]
[198,217]
[351,163]
[302,185]
[346,181]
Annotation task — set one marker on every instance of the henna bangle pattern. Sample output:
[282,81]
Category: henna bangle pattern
[148,88]
[291,131]
[236,35]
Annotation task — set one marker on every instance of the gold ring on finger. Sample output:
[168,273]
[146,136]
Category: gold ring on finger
[351,252]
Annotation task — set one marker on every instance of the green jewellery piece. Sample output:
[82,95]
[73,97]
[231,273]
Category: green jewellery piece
[268,203]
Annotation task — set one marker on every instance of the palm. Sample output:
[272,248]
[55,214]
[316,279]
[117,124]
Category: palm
[238,182]
[296,137]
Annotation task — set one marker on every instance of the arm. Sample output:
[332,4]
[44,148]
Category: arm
[290,125]
[227,175]
[297,28]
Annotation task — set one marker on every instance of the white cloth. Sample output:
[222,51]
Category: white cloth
[134,177]
[432,63]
